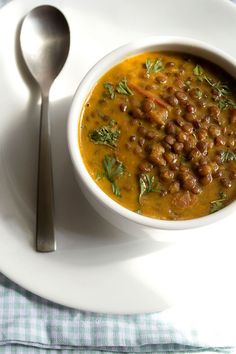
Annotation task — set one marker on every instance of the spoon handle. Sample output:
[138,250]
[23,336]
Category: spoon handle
[45,239]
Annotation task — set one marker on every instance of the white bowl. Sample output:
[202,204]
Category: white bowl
[113,212]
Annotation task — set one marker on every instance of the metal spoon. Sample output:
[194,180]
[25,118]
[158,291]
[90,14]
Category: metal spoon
[45,41]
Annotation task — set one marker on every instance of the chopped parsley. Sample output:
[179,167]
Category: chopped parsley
[198,70]
[222,89]
[153,66]
[112,169]
[110,90]
[123,88]
[228,155]
[106,135]
[226,103]
[188,83]
[147,184]
[198,93]
[99,175]
[218,204]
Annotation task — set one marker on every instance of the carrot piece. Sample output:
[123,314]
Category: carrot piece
[150,95]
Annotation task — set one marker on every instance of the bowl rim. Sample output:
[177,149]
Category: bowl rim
[88,82]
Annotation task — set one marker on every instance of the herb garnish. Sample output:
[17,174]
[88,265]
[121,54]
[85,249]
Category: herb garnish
[99,175]
[188,83]
[198,93]
[112,169]
[123,88]
[138,211]
[222,89]
[153,66]
[218,204]
[106,135]
[228,155]
[198,70]
[226,103]
[110,89]
[147,184]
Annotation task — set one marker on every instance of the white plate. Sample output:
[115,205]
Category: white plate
[96,267]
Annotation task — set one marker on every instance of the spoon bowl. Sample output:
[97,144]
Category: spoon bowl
[45,42]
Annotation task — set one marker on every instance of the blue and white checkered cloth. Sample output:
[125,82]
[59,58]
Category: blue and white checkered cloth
[30,324]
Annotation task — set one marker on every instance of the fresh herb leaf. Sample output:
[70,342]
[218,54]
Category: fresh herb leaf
[106,135]
[228,155]
[110,89]
[188,83]
[149,66]
[183,158]
[222,195]
[221,89]
[226,103]
[153,66]
[198,70]
[113,123]
[158,66]
[116,189]
[123,88]
[147,184]
[198,93]
[112,169]
[218,204]
[99,175]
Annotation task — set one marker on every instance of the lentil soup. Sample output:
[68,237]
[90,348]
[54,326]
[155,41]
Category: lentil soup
[158,135]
